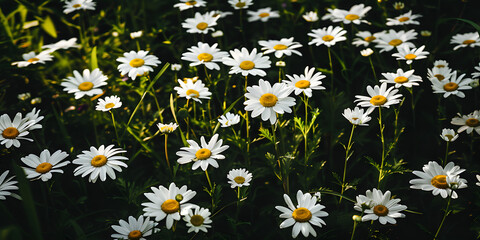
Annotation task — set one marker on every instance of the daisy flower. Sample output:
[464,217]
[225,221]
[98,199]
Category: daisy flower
[439,180]
[137,63]
[476,74]
[62,44]
[197,219]
[75,5]
[99,162]
[354,15]
[329,15]
[136,34]
[404,19]
[167,128]
[34,116]
[366,52]
[42,167]
[229,119]
[468,122]
[239,177]
[439,74]
[327,36]
[32,58]
[13,131]
[364,38]
[168,203]
[6,185]
[136,229]
[305,82]
[405,53]
[478,179]
[465,40]
[262,14]
[187,4]
[357,116]
[247,63]
[201,23]
[176,67]
[310,16]
[379,97]
[191,90]
[401,78]
[440,64]
[280,47]
[204,154]
[382,207]
[108,104]
[387,41]
[303,216]
[452,85]
[86,84]
[267,101]
[240,4]
[204,54]
[449,135]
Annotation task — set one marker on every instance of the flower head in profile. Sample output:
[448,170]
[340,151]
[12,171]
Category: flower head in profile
[197,219]
[229,119]
[33,58]
[306,83]
[176,67]
[137,63]
[13,131]
[136,229]
[201,23]
[204,154]
[387,41]
[439,73]
[451,86]
[327,36]
[247,63]
[364,38]
[108,103]
[204,54]
[379,206]
[449,135]
[440,64]
[465,40]
[310,16]
[401,78]
[42,167]
[407,54]
[62,44]
[239,177]
[379,96]
[439,180]
[191,90]
[280,47]
[366,52]
[74,5]
[468,122]
[168,203]
[357,116]
[262,14]
[88,83]
[267,100]
[167,128]
[306,213]
[354,15]
[98,163]
[34,116]
[136,34]
[240,4]
[187,4]
[404,19]
[476,74]
[6,185]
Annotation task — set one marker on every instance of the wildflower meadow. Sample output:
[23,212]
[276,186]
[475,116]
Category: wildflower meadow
[239,119]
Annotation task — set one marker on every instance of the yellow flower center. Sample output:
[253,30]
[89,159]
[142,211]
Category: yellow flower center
[85,86]
[196,220]
[137,62]
[206,57]
[239,179]
[31,60]
[247,65]
[468,42]
[262,15]
[134,235]
[203,154]
[302,84]
[400,79]
[327,38]
[43,167]
[440,181]
[202,25]
[449,136]
[193,93]
[268,100]
[191,3]
[380,210]
[440,66]
[410,56]
[403,19]
[395,42]
[170,206]
[109,105]
[302,215]
[369,39]
[240,4]
[378,100]
[352,17]
[10,133]
[280,47]
[451,86]
[99,161]
[472,122]
[76,5]
[439,76]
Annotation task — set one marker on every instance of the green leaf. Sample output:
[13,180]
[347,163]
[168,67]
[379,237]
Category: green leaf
[476,26]
[48,26]
[93,57]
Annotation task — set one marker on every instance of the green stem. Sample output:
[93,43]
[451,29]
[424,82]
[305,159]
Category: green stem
[373,69]
[115,127]
[208,179]
[444,215]
[331,67]
[354,228]
[347,152]
[306,128]
[446,155]
[166,152]
[380,176]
